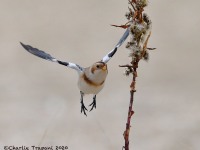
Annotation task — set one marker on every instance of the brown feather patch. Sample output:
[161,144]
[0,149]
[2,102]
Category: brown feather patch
[88,81]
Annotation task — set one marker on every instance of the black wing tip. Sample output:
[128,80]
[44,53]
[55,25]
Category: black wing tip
[24,46]
[63,63]
[113,52]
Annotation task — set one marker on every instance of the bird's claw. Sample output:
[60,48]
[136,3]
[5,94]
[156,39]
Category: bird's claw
[83,109]
[93,104]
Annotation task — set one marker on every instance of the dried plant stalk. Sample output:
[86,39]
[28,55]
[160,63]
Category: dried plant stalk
[139,25]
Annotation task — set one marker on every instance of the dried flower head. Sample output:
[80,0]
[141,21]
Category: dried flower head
[140,26]
[141,4]
[136,31]
[139,34]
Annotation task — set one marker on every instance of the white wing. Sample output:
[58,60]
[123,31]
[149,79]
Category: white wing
[121,41]
[46,56]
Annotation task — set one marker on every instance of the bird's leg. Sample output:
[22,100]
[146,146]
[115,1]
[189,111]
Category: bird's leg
[83,108]
[93,104]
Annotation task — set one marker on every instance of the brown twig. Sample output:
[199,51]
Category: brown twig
[131,3]
[151,48]
[128,66]
[121,26]
[134,66]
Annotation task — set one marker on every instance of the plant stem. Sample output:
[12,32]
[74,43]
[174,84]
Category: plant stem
[130,110]
[139,25]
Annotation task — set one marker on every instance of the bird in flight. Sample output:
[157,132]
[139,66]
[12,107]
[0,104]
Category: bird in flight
[91,80]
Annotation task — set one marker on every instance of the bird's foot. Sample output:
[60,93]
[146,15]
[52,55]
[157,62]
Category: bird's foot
[83,108]
[93,104]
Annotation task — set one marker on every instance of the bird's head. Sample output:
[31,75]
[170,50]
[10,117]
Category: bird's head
[97,72]
[99,67]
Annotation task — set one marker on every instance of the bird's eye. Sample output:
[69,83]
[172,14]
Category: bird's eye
[97,66]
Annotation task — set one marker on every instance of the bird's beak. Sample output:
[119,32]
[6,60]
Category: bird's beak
[104,68]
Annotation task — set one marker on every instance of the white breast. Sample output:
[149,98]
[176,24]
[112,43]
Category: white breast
[92,83]
[88,88]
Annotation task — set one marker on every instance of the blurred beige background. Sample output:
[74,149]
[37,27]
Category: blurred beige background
[40,102]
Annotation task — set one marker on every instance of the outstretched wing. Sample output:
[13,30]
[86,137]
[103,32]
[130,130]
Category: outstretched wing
[46,56]
[111,53]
